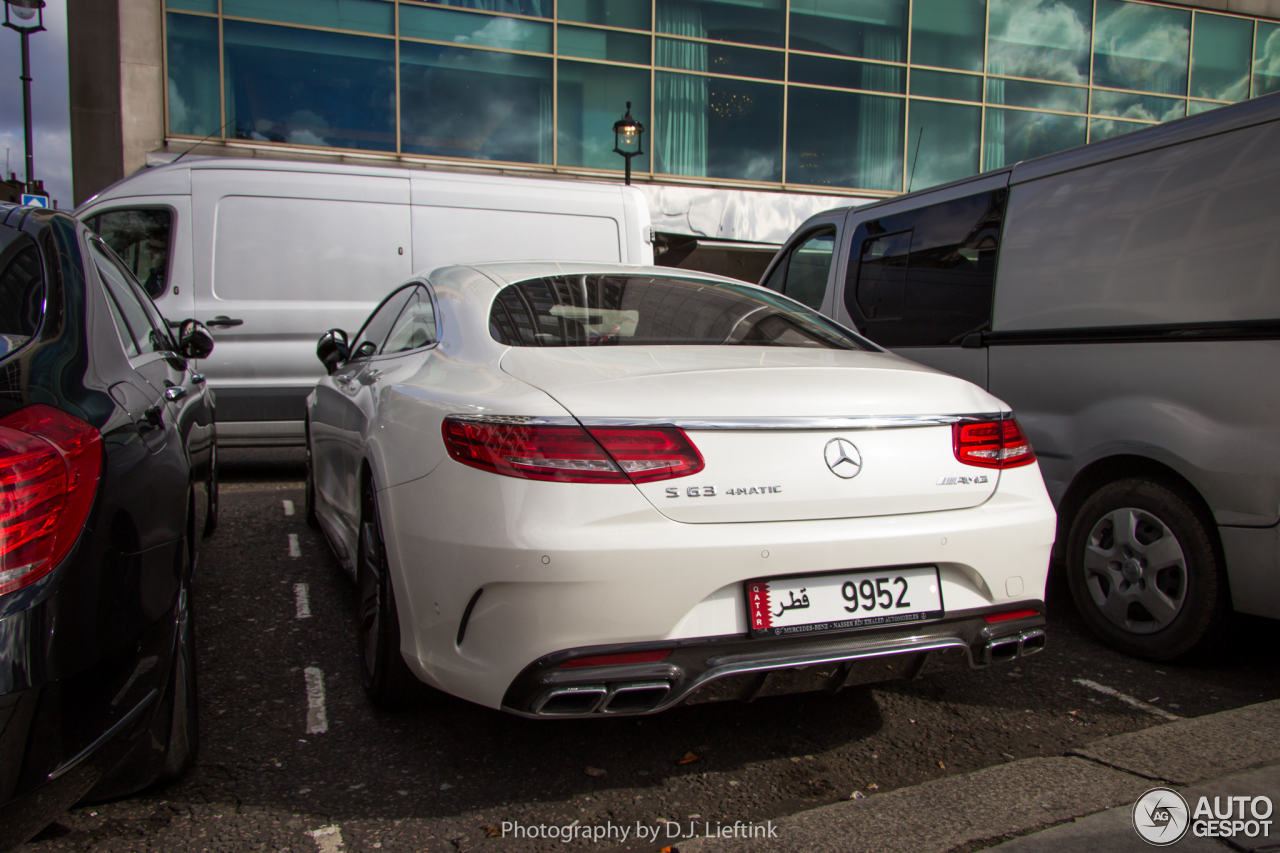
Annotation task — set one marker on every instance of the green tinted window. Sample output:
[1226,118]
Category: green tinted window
[1042,39]
[942,84]
[1020,93]
[948,33]
[592,98]
[868,29]
[1138,107]
[479,30]
[1141,47]
[1220,57]
[1266,60]
[366,16]
[589,43]
[942,142]
[1014,135]
[844,139]
[1101,128]
[613,13]
[194,102]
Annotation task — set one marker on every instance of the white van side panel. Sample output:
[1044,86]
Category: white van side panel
[290,254]
[460,235]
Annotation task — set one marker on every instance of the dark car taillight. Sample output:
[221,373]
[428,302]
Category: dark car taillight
[49,467]
[570,454]
[992,444]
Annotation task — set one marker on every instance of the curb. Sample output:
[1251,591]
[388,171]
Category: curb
[985,807]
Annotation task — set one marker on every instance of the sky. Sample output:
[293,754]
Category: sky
[50,114]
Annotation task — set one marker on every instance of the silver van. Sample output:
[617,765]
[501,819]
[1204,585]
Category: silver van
[1124,298]
[271,253]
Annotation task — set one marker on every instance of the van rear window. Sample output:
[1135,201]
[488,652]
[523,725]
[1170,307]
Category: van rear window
[21,291]
[627,310]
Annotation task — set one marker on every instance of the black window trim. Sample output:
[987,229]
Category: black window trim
[92,222]
[435,309]
[46,275]
[353,358]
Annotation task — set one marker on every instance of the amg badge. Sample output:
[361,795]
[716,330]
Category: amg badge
[961,481]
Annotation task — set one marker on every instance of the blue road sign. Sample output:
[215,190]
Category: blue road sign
[35,200]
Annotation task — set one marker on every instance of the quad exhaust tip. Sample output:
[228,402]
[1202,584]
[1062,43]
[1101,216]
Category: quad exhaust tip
[626,698]
[1003,649]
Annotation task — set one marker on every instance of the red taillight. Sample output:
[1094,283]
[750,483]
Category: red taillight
[568,454]
[650,453]
[623,657]
[1010,614]
[992,444]
[49,467]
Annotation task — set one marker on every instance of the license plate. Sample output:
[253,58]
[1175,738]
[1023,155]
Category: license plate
[843,602]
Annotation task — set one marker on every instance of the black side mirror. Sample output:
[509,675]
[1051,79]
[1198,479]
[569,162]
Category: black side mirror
[194,340]
[332,349]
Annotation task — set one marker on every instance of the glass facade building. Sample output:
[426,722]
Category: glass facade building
[836,96]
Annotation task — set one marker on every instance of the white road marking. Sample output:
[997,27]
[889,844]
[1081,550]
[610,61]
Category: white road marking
[317,720]
[1129,700]
[288,507]
[328,838]
[294,549]
[302,598]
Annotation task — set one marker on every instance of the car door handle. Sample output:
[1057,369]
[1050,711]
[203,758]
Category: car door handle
[342,378]
[197,378]
[177,392]
[222,321]
[369,377]
[153,417]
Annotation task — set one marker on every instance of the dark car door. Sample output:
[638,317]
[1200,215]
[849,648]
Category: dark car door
[166,399]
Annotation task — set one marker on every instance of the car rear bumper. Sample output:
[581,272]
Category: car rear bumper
[722,668]
[493,573]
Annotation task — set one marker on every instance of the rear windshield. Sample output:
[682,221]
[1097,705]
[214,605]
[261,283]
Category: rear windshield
[632,310]
[21,290]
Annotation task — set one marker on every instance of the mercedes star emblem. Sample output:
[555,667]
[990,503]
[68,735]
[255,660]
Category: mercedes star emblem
[843,458]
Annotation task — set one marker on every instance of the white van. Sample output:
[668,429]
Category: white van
[269,254]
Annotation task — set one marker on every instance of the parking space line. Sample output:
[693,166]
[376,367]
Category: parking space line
[302,600]
[317,719]
[288,507]
[1129,700]
[295,550]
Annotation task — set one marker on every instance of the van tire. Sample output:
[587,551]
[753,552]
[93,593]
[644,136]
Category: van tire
[387,679]
[1145,570]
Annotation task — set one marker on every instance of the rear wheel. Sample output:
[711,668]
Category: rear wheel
[387,680]
[1144,570]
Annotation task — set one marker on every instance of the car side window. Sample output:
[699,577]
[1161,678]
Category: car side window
[141,238]
[803,274]
[925,278]
[21,291]
[375,330]
[139,327]
[416,325]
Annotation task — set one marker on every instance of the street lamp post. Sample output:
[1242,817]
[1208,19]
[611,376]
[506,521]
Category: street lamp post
[18,16]
[626,136]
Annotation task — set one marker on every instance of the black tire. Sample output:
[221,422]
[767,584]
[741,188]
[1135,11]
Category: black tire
[309,491]
[211,492]
[386,678]
[184,727]
[1145,570]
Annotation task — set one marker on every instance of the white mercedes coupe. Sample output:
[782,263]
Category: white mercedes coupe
[577,490]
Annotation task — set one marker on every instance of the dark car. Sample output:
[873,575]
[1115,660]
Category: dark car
[107,483]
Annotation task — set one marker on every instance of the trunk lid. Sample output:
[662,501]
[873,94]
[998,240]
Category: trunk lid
[781,430]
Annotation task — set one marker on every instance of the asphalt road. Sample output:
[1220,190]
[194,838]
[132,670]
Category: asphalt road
[448,776]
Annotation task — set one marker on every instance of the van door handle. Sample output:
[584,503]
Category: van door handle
[153,417]
[222,321]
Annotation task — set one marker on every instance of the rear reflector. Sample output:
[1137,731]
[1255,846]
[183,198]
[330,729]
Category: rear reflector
[624,657]
[1010,614]
[992,444]
[49,467]
[568,454]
